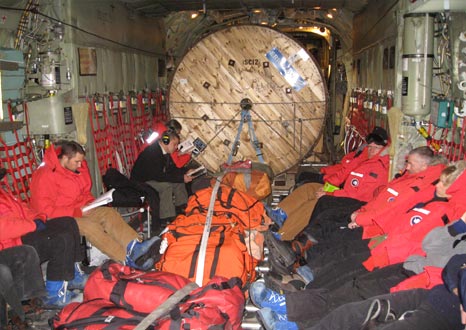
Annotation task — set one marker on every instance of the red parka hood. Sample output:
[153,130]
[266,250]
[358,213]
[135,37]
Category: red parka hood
[57,191]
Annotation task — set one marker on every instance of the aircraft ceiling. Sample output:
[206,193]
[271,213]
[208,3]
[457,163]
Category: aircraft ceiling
[161,8]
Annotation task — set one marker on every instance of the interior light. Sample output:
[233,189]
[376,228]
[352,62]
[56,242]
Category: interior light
[256,11]
[300,27]
[329,15]
[194,15]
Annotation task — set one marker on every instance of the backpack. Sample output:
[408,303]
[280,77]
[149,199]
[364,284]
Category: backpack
[226,253]
[132,289]
[255,180]
[242,209]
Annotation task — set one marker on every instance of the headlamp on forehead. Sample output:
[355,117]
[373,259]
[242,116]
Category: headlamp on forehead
[150,136]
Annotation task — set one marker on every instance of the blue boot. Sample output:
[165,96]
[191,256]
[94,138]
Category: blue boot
[275,321]
[277,214]
[80,278]
[262,297]
[143,255]
[57,294]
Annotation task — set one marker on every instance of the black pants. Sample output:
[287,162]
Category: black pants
[60,245]
[338,285]
[20,276]
[337,246]
[425,316]
[330,213]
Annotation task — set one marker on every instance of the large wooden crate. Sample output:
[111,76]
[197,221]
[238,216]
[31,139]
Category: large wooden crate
[260,64]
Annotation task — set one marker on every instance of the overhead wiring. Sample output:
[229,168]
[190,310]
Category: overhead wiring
[37,12]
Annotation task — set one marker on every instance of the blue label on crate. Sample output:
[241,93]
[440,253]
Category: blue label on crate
[286,69]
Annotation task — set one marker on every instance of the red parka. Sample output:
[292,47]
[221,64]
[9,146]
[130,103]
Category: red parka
[333,172]
[16,220]
[362,176]
[455,208]
[399,196]
[406,237]
[431,277]
[57,191]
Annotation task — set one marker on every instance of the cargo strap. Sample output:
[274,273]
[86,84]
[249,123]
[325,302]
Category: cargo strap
[206,233]
[166,306]
[246,105]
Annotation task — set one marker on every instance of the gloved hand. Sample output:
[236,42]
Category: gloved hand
[457,227]
[40,225]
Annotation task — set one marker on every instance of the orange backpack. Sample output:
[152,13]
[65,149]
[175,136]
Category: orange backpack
[241,208]
[227,254]
[253,178]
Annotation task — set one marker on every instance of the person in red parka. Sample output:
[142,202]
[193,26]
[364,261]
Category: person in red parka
[401,194]
[56,241]
[61,186]
[359,176]
[405,236]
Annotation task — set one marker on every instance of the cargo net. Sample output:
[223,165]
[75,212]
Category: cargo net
[444,132]
[118,127]
[18,158]
[368,108]
[449,140]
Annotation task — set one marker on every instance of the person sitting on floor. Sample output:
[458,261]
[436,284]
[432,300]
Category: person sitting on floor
[61,186]
[359,177]
[155,167]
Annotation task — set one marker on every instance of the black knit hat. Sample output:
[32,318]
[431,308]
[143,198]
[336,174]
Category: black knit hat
[378,136]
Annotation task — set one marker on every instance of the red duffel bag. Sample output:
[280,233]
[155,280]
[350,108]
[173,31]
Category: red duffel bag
[95,314]
[217,305]
[132,289]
